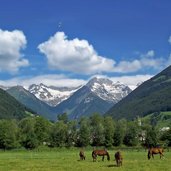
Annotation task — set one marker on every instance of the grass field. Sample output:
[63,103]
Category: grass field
[68,160]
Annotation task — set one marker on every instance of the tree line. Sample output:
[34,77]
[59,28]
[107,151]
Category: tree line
[96,130]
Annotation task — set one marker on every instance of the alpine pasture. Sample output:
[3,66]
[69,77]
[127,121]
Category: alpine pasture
[68,160]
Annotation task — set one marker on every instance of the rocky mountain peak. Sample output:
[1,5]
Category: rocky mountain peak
[107,89]
[50,94]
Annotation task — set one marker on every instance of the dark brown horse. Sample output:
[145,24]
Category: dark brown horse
[118,158]
[82,155]
[102,153]
[157,150]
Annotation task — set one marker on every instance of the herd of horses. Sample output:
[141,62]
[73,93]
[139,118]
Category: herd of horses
[118,156]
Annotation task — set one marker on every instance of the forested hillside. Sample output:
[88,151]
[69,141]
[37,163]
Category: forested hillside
[153,95]
[10,107]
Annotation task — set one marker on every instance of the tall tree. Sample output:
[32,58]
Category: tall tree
[151,138]
[28,137]
[108,131]
[97,129]
[8,134]
[41,129]
[131,136]
[71,133]
[58,134]
[83,133]
[166,136]
[119,132]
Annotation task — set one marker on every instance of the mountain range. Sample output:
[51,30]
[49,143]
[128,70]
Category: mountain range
[152,96]
[98,95]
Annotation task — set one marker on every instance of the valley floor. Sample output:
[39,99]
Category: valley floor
[68,160]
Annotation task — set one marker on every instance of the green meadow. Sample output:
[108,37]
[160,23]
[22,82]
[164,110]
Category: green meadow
[68,160]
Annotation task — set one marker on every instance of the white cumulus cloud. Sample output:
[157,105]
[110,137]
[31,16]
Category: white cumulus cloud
[11,44]
[143,61]
[75,55]
[79,56]
[47,79]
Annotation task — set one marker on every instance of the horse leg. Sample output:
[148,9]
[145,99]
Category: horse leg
[95,158]
[103,158]
[120,162]
[161,155]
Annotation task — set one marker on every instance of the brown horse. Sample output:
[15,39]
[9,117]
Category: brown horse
[102,153]
[82,155]
[157,150]
[118,158]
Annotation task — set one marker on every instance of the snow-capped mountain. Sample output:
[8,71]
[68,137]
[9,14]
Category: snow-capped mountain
[98,95]
[108,90]
[50,94]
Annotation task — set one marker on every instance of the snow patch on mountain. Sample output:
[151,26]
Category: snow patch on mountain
[108,90]
[50,94]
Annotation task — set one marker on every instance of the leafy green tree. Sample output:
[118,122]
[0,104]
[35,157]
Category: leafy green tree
[42,129]
[131,136]
[71,133]
[166,137]
[108,131]
[83,138]
[97,129]
[58,134]
[63,117]
[28,138]
[8,134]
[151,138]
[120,130]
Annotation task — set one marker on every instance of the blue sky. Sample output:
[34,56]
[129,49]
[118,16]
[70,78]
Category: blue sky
[65,43]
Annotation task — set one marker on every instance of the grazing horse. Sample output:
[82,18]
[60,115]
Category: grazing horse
[118,158]
[82,155]
[102,153]
[156,150]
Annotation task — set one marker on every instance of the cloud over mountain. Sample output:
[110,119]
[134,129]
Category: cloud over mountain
[78,56]
[11,44]
[75,55]
[144,61]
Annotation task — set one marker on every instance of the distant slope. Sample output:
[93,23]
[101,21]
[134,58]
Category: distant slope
[30,101]
[153,95]
[158,119]
[10,108]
